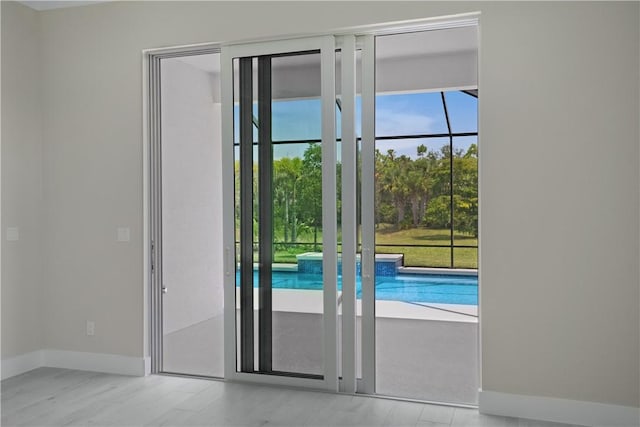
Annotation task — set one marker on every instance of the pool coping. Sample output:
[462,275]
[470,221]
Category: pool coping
[439,271]
[311,302]
[290,267]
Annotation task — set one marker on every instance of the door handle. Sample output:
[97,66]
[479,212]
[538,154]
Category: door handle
[164,289]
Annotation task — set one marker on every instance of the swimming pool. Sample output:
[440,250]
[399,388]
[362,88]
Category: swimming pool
[433,288]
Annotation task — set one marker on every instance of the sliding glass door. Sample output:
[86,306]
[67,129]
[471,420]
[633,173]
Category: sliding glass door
[410,151]
[186,257]
[279,148]
[424,222]
[350,213]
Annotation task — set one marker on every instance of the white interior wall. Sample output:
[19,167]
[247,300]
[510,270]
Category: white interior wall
[22,195]
[559,177]
[191,193]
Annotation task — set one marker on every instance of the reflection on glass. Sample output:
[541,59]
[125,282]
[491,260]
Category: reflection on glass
[192,312]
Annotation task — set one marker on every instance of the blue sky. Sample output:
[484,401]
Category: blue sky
[398,114]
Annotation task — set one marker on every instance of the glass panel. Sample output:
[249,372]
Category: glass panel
[236,101]
[245,182]
[358,129]
[463,111]
[236,128]
[339,168]
[426,321]
[296,110]
[287,302]
[192,309]
[410,114]
[296,119]
[339,197]
[297,212]
[413,202]
[358,106]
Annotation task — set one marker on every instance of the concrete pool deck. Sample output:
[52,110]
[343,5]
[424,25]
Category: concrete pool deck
[427,353]
[310,301]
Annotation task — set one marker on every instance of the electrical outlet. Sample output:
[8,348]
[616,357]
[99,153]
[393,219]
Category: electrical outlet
[91,327]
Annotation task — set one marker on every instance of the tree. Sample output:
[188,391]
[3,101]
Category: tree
[420,182]
[438,213]
[310,208]
[465,187]
[394,181]
[465,192]
[287,172]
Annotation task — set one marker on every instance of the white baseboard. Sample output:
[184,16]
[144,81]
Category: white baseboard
[98,362]
[558,410]
[147,365]
[17,365]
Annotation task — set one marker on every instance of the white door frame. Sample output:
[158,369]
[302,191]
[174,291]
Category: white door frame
[365,39]
[349,220]
[368,228]
[349,44]
[152,208]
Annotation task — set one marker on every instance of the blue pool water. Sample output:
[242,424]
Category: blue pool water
[444,289]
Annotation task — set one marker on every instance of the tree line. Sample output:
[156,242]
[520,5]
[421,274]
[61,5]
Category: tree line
[416,192]
[410,192]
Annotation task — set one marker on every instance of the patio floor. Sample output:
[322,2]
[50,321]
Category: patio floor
[423,351]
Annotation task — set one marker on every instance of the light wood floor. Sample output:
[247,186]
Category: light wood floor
[60,397]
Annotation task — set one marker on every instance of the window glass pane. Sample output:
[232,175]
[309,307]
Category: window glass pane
[463,111]
[192,313]
[358,116]
[236,124]
[296,107]
[296,119]
[236,101]
[338,123]
[297,330]
[419,354]
[413,200]
[297,212]
[410,114]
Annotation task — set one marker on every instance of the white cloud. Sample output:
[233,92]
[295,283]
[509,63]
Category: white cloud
[390,122]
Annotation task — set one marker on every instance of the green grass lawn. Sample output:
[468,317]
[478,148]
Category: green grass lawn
[413,256]
[427,257]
